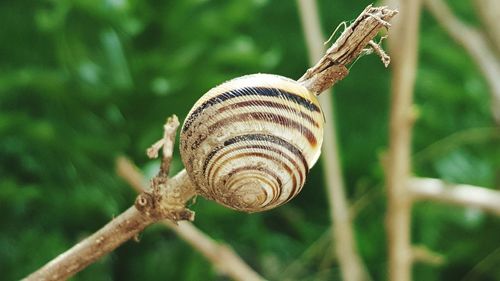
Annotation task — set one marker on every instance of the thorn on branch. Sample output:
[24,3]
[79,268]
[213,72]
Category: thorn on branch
[153,150]
[386,59]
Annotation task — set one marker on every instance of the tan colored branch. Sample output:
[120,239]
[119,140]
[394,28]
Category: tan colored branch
[115,233]
[476,44]
[221,256]
[351,265]
[165,200]
[332,67]
[489,13]
[423,254]
[404,62]
[455,194]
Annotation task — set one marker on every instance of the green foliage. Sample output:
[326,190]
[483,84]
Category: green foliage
[82,82]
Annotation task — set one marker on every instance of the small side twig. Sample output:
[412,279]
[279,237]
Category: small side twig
[162,200]
[386,59]
[423,254]
[167,146]
[455,194]
[225,260]
[167,201]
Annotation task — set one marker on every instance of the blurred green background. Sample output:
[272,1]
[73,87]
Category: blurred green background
[84,81]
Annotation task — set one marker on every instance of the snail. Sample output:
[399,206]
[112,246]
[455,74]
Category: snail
[249,143]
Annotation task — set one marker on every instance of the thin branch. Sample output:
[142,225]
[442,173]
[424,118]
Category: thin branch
[404,41]
[423,254]
[489,13]
[476,44]
[455,194]
[113,234]
[478,270]
[351,265]
[222,256]
[149,208]
[308,258]
[386,59]
[225,260]
[332,67]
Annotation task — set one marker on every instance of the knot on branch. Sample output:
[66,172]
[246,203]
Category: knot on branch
[164,200]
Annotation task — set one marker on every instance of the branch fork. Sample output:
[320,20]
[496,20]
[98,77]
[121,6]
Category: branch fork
[164,201]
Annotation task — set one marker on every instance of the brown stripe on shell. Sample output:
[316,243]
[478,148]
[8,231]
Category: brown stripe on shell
[265,148]
[268,117]
[261,178]
[272,104]
[261,169]
[261,138]
[258,116]
[249,91]
[262,155]
[220,165]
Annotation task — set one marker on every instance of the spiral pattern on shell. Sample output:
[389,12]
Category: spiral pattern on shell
[250,142]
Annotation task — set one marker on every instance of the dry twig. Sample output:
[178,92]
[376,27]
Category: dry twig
[386,59]
[332,67]
[423,254]
[225,260]
[489,13]
[456,194]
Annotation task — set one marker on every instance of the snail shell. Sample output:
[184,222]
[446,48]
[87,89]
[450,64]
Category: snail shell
[249,143]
